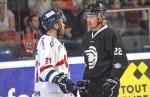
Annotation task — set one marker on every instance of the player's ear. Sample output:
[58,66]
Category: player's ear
[56,26]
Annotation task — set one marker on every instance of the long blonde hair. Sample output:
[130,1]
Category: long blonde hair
[104,21]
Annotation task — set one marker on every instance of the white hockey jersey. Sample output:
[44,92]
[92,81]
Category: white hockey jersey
[51,59]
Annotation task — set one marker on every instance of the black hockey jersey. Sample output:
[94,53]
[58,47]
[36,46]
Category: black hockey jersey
[104,54]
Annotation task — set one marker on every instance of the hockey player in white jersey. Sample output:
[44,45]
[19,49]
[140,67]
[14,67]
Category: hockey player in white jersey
[52,76]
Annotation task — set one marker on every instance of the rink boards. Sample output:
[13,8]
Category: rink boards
[16,77]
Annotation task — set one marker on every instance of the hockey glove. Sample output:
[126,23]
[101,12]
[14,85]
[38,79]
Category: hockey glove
[111,87]
[65,84]
[82,86]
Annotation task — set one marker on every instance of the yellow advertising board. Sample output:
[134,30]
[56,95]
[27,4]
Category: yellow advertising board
[135,81]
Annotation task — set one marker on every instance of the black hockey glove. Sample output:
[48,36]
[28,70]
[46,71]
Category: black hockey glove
[65,84]
[82,86]
[111,87]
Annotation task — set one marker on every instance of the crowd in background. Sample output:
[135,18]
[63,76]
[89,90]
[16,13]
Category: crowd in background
[20,20]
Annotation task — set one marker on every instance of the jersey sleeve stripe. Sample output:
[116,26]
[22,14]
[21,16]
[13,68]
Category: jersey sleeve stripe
[52,76]
[49,74]
[65,60]
[45,67]
[60,63]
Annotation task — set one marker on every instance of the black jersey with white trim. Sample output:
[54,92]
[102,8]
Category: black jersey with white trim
[104,54]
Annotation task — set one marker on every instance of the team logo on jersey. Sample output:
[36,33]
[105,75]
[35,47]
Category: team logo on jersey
[92,57]
[117,65]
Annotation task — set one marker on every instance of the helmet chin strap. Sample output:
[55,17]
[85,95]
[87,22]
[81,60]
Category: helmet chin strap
[96,25]
[99,22]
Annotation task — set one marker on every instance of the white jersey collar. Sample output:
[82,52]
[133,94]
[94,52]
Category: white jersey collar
[94,34]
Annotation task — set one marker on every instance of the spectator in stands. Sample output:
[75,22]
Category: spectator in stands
[125,3]
[117,19]
[148,2]
[68,18]
[39,7]
[8,35]
[134,19]
[144,19]
[144,2]
[31,34]
[69,5]
[81,4]
[77,4]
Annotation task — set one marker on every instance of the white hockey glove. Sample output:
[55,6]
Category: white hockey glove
[111,87]
[65,84]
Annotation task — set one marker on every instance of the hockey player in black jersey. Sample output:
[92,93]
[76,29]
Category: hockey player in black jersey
[104,56]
